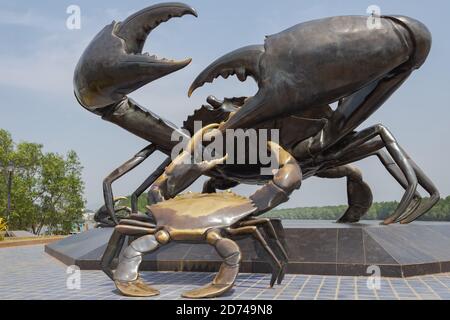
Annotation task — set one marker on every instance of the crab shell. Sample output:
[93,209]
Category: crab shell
[191,216]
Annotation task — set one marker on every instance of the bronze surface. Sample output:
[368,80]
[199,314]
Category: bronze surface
[202,211]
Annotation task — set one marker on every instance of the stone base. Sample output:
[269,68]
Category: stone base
[314,247]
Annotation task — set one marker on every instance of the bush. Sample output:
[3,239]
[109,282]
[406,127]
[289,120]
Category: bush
[3,228]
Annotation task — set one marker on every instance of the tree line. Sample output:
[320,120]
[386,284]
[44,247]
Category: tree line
[46,189]
[378,211]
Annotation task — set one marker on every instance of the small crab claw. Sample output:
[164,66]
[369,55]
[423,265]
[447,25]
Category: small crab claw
[196,144]
[211,164]
[197,139]
[184,169]
[113,65]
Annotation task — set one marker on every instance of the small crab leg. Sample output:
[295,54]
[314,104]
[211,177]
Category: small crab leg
[112,252]
[126,276]
[270,231]
[225,278]
[115,244]
[214,184]
[277,266]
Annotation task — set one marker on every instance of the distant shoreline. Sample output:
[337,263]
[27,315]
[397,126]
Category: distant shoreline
[378,211]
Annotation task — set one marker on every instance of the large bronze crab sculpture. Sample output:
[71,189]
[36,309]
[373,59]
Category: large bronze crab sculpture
[300,72]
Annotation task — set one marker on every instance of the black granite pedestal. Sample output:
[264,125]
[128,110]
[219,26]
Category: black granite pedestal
[315,247]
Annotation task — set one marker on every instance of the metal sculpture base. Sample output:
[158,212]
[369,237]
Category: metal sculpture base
[315,247]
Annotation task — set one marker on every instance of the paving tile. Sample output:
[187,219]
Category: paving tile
[29,273]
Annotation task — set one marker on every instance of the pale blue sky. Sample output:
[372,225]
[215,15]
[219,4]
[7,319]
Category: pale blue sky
[38,54]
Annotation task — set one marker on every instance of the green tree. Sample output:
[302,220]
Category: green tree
[26,192]
[47,187]
[6,149]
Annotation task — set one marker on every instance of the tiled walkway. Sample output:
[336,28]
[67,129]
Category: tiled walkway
[29,273]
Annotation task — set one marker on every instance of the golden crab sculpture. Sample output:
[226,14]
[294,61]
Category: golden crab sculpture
[217,219]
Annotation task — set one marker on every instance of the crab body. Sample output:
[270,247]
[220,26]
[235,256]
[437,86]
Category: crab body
[192,215]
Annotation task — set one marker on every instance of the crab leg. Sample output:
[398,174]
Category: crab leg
[112,252]
[115,244]
[398,156]
[225,278]
[103,217]
[270,231]
[358,192]
[375,147]
[424,206]
[277,267]
[394,170]
[147,183]
[126,276]
[370,148]
[119,172]
[419,206]
[214,184]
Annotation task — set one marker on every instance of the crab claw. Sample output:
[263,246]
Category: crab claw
[113,65]
[242,62]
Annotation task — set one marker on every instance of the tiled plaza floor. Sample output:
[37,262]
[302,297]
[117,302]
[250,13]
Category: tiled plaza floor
[29,273]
